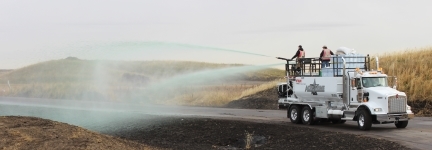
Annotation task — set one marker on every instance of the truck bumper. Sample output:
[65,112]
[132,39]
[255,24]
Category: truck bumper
[394,117]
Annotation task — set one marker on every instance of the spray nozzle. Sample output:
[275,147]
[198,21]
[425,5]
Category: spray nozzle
[284,58]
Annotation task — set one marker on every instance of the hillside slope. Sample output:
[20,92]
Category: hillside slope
[139,81]
[266,99]
[37,133]
[76,70]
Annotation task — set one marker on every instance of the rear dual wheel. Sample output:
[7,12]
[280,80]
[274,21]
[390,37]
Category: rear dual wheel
[307,116]
[295,114]
[298,114]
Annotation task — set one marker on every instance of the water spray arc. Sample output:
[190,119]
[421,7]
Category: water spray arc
[151,48]
[155,90]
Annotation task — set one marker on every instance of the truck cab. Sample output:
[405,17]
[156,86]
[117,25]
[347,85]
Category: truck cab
[383,103]
[346,91]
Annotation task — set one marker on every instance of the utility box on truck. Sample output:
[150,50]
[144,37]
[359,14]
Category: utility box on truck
[347,91]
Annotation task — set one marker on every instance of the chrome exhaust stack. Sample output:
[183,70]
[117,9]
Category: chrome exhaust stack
[345,81]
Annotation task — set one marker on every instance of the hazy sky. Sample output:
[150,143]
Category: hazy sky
[35,31]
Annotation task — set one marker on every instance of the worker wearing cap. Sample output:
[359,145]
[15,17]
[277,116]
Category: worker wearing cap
[325,57]
[300,54]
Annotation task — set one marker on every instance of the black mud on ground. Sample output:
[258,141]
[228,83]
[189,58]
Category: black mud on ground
[203,133]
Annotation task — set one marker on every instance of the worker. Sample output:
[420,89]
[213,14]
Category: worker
[300,54]
[325,57]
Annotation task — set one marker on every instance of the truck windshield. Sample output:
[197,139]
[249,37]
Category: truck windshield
[374,81]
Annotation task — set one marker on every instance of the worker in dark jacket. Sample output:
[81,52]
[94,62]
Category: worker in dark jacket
[300,54]
[325,57]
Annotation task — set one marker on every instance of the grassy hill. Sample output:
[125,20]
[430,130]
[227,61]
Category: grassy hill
[73,78]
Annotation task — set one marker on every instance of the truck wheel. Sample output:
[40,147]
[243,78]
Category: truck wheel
[307,116]
[401,124]
[364,120]
[295,114]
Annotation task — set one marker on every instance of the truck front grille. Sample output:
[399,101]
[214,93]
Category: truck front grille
[397,105]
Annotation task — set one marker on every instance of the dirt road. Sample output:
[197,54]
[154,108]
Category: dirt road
[102,117]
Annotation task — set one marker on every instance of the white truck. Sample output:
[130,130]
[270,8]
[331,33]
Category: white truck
[340,93]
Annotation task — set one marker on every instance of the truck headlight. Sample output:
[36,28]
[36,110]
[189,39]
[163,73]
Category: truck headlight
[377,109]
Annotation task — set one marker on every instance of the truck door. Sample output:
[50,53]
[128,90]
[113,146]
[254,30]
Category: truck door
[359,90]
[356,92]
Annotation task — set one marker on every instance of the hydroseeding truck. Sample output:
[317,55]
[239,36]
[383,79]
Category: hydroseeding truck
[347,90]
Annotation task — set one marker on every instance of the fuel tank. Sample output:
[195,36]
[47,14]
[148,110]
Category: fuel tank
[318,89]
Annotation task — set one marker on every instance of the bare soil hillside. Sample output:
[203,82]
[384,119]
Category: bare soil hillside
[36,133]
[266,99]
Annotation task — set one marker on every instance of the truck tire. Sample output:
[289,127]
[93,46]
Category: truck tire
[307,116]
[295,114]
[401,124]
[364,120]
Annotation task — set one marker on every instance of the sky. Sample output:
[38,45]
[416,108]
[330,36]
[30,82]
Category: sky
[216,31]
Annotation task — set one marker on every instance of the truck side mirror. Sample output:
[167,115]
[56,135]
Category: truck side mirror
[358,84]
[353,83]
